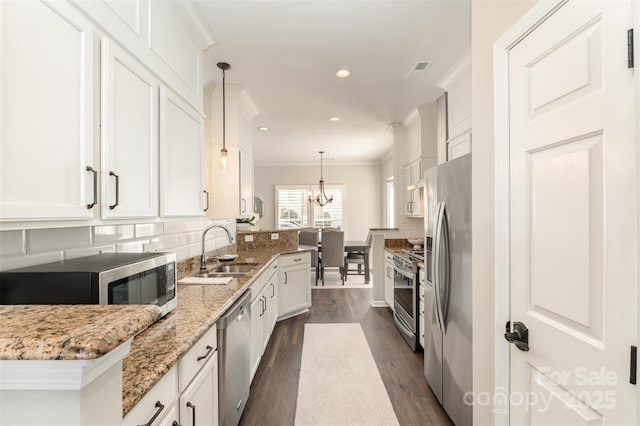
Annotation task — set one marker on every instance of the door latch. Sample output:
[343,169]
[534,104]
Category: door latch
[519,336]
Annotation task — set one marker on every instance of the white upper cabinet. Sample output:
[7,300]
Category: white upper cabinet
[129,136]
[457,84]
[169,37]
[232,188]
[246,184]
[181,157]
[442,132]
[420,133]
[46,112]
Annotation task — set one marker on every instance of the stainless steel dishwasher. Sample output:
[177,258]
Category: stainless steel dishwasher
[234,342]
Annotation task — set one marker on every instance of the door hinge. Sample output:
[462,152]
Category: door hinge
[630,48]
[633,365]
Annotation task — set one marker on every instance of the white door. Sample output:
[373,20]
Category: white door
[130,136]
[573,218]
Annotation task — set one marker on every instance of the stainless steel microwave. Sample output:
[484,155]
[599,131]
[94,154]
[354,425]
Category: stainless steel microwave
[105,279]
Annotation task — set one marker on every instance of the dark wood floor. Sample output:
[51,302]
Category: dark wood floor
[275,386]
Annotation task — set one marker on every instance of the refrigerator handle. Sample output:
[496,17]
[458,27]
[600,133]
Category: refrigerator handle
[436,265]
[445,282]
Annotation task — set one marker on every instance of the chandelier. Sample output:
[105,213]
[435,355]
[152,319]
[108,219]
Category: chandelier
[321,198]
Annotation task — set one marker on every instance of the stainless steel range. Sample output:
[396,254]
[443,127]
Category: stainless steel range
[405,295]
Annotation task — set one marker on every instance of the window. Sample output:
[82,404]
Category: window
[295,211]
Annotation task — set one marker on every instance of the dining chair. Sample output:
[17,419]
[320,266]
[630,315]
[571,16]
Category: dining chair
[311,237]
[332,252]
[356,257]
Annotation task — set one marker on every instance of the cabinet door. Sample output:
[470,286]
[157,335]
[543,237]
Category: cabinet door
[459,146]
[406,181]
[255,352]
[442,130]
[272,295]
[296,288]
[246,184]
[181,157]
[46,112]
[129,136]
[388,283]
[199,402]
[266,318]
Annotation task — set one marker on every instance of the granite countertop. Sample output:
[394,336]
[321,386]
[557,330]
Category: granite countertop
[73,332]
[158,348]
[69,332]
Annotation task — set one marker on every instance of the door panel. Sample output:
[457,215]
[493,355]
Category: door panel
[574,218]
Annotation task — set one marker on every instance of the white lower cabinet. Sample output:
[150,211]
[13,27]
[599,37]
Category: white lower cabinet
[295,284]
[188,394]
[155,405]
[388,278]
[264,312]
[199,402]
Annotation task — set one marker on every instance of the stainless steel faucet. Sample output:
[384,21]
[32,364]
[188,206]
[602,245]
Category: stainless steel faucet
[203,258]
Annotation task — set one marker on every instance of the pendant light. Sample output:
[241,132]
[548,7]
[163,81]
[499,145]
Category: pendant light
[321,198]
[223,152]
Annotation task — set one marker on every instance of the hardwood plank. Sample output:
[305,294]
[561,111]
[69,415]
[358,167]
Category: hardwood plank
[275,386]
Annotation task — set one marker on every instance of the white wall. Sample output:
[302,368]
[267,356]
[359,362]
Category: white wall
[363,194]
[489,20]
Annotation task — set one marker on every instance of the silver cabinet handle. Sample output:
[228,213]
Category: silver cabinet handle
[95,187]
[273,290]
[207,208]
[244,205]
[285,278]
[117,190]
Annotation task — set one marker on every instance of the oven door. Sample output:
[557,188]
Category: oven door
[404,292]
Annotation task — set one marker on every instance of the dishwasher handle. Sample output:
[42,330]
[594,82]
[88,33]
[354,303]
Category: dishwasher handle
[237,309]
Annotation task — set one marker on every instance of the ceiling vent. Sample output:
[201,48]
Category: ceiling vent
[419,68]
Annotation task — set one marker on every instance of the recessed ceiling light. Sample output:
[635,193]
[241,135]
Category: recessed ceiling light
[263,128]
[334,118]
[343,72]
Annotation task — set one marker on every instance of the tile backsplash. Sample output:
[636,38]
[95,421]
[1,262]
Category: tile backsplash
[28,247]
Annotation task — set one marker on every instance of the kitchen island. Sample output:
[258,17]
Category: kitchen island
[157,346]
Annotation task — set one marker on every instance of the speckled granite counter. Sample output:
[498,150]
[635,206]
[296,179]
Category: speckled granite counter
[157,349]
[69,332]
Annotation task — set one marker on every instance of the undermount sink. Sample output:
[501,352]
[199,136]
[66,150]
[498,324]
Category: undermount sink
[229,271]
[234,269]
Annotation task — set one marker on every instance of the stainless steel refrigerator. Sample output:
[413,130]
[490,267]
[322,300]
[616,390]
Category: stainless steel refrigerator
[447,351]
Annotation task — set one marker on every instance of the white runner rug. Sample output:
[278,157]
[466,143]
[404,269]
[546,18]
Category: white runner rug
[339,382]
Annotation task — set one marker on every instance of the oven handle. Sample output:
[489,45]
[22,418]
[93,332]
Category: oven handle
[403,326]
[403,273]
[436,265]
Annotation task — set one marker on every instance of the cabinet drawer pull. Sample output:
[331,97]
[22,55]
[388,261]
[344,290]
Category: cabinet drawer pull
[117,190]
[95,187]
[209,349]
[285,277]
[160,407]
[190,405]
[297,260]
[207,208]
[273,290]
[244,205]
